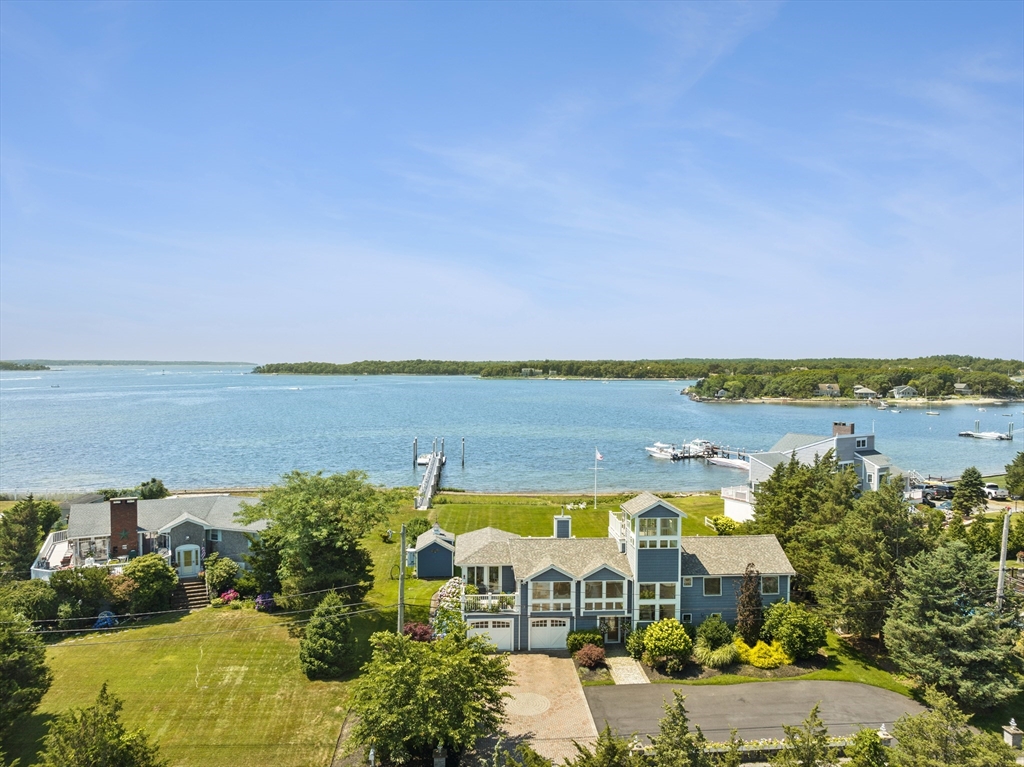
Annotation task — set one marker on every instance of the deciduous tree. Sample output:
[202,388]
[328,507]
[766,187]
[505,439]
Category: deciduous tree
[1015,475]
[24,677]
[316,523]
[413,697]
[944,630]
[94,736]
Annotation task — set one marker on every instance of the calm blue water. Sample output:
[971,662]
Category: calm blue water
[208,427]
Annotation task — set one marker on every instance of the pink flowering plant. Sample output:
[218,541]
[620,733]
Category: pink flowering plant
[229,596]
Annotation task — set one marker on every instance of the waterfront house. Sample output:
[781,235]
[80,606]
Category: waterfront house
[184,530]
[533,591]
[863,392]
[902,392]
[827,390]
[856,451]
[964,390]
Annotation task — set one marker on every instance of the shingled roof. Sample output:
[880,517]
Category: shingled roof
[574,556]
[485,546]
[730,555]
[643,502]
[92,520]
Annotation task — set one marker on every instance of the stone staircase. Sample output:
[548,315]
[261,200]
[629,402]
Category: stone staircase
[189,595]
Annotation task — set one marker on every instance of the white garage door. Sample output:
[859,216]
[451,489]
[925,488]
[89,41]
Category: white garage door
[548,633]
[498,632]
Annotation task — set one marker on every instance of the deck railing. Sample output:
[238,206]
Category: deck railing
[490,603]
[738,493]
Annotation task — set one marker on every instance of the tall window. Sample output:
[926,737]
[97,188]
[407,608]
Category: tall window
[486,579]
[551,596]
[656,601]
[658,533]
[603,595]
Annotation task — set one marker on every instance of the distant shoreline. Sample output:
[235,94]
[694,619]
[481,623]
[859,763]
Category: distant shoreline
[917,402]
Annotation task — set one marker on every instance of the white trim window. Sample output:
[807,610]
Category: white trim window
[550,596]
[215,536]
[770,585]
[604,595]
[687,582]
[715,589]
[486,578]
[657,532]
[862,442]
[656,601]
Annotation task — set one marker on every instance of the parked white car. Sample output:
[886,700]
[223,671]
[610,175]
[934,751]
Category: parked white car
[994,492]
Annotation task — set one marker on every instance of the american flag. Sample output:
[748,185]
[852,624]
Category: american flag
[597,455]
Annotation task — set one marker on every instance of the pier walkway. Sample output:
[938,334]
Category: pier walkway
[431,481]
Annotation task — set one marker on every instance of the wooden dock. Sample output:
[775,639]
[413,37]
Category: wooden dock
[431,482]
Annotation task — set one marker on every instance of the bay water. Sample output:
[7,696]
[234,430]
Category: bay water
[86,427]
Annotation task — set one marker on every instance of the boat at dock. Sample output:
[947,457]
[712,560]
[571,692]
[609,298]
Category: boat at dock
[664,451]
[731,463]
[996,435]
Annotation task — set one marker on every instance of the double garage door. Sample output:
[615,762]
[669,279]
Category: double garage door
[497,631]
[548,633]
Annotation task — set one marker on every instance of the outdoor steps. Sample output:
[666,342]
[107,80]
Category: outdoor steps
[190,594]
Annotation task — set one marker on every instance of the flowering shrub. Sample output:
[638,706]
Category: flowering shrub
[762,655]
[450,594]
[265,602]
[229,596]
[448,620]
[589,655]
[418,632]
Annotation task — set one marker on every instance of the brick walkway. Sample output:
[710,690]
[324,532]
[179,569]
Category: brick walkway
[548,708]
[625,670]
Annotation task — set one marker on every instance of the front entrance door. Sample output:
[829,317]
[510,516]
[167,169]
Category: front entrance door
[188,561]
[613,630]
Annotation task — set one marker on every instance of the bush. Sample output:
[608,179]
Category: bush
[85,587]
[35,600]
[666,639]
[762,655]
[327,649]
[675,664]
[221,573]
[229,596]
[724,525]
[714,657]
[418,632]
[589,655]
[156,580]
[246,584]
[635,643]
[576,639]
[799,631]
[122,591]
[67,617]
[448,620]
[414,528]
[715,632]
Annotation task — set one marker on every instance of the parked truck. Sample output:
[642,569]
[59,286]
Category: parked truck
[994,492]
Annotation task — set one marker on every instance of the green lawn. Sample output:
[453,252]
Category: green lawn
[229,698]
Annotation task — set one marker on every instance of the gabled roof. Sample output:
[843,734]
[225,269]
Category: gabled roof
[574,556]
[770,459]
[874,457]
[793,441]
[730,555]
[92,520]
[435,535]
[641,503]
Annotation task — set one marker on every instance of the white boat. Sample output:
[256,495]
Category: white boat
[699,447]
[931,412]
[986,435]
[882,406]
[665,451]
[731,463]
[895,410]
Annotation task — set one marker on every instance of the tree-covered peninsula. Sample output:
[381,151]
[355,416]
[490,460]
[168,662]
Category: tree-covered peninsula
[740,378]
[21,366]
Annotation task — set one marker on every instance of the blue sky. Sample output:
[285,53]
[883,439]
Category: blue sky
[345,181]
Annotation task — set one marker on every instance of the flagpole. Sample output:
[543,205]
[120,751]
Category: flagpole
[595,478]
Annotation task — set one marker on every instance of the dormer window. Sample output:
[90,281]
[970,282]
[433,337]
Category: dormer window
[862,442]
[658,533]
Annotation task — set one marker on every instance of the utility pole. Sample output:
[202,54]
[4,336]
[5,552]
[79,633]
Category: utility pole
[401,585]
[1001,585]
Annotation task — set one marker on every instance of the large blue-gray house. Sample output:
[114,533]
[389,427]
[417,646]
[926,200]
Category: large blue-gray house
[533,591]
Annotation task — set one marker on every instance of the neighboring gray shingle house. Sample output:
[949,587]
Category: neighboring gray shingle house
[183,529]
[827,390]
[851,450]
[902,392]
[533,591]
[962,389]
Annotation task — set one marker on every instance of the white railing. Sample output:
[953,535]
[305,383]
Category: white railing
[490,603]
[738,493]
[618,528]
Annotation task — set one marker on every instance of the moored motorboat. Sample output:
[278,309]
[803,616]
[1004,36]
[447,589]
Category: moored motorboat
[664,451]
[731,463]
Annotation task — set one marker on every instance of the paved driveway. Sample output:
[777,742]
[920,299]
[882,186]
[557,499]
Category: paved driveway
[547,705]
[756,709]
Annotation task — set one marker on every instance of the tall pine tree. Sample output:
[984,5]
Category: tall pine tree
[944,630]
[19,539]
[327,649]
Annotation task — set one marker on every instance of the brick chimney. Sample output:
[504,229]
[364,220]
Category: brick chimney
[841,427]
[124,526]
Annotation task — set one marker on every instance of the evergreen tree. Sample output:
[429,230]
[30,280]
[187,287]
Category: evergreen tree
[969,495]
[1015,540]
[941,737]
[943,630]
[867,750]
[24,677]
[610,750]
[327,649]
[152,489]
[1015,475]
[983,539]
[94,736]
[19,539]
[749,607]
[956,530]
[806,745]
[675,745]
